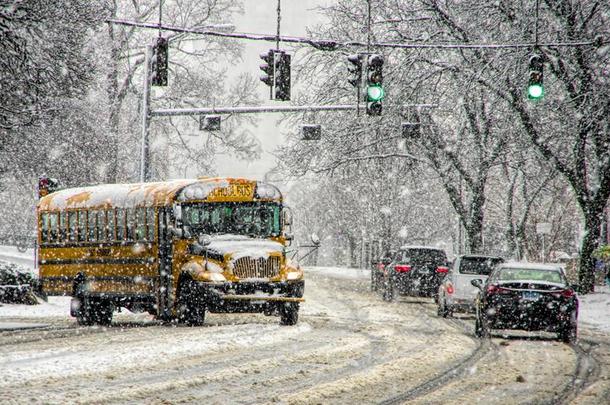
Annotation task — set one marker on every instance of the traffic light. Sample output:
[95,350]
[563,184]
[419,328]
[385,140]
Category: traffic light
[374,84]
[535,86]
[160,61]
[410,130]
[47,185]
[356,70]
[282,76]
[267,68]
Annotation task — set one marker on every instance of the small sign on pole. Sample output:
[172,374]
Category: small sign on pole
[543,228]
[209,123]
[311,132]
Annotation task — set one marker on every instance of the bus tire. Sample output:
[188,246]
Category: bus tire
[83,313]
[289,313]
[191,308]
[102,311]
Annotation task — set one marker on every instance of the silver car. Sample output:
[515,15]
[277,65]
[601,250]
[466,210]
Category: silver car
[456,293]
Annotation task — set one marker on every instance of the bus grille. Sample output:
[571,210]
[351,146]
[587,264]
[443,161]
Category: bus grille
[260,267]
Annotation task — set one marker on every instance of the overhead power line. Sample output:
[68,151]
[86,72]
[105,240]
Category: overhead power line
[331,45]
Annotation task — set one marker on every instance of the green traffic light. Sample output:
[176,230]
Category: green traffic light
[535,92]
[375,93]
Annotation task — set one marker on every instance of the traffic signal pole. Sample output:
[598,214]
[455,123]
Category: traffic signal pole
[146,115]
[268,109]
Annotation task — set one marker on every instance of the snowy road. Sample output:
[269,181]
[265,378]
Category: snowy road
[349,347]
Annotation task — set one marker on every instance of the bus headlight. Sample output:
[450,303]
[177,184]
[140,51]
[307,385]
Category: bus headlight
[215,276]
[294,275]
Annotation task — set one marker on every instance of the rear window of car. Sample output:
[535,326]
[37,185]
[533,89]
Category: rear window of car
[423,256]
[512,274]
[479,265]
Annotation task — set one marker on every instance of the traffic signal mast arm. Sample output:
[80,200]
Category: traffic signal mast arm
[332,45]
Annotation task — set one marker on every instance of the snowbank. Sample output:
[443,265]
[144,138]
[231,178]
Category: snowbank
[339,272]
[595,309]
[55,307]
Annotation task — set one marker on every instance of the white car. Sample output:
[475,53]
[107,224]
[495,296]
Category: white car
[456,293]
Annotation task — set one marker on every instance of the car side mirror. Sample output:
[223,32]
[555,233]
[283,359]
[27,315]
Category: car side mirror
[477,283]
[574,287]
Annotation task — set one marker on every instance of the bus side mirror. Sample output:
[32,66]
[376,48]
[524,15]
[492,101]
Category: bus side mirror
[287,216]
[175,232]
[315,239]
[204,240]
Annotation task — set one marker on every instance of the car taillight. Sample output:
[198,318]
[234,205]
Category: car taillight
[569,293]
[449,288]
[402,268]
[442,269]
[380,266]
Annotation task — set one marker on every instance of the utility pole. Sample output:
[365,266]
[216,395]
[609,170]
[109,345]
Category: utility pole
[145,152]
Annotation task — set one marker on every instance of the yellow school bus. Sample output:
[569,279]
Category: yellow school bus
[175,249]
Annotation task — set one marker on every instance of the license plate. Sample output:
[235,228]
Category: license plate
[530,296]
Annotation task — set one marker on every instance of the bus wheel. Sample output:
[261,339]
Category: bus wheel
[92,311]
[191,308]
[82,309]
[289,313]
[102,312]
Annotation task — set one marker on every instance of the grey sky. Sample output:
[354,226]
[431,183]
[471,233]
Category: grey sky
[260,16]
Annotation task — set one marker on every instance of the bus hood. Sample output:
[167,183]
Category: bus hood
[238,246]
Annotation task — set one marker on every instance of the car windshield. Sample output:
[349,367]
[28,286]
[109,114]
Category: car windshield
[479,265]
[513,274]
[422,256]
[253,218]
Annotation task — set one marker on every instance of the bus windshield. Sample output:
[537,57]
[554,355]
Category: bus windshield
[255,219]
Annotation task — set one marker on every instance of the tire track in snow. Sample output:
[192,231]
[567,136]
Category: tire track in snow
[586,372]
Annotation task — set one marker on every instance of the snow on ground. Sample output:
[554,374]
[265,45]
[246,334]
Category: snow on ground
[101,354]
[55,307]
[595,308]
[339,272]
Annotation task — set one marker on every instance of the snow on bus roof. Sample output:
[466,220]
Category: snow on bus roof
[125,195]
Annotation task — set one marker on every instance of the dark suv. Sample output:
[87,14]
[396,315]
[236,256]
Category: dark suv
[416,271]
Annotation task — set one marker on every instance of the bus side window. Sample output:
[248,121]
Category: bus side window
[82,225]
[92,226]
[53,227]
[130,214]
[140,225]
[111,226]
[63,226]
[120,224]
[150,224]
[44,227]
[101,226]
[72,225]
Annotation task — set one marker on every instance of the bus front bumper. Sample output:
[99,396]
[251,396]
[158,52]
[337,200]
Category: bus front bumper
[251,296]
